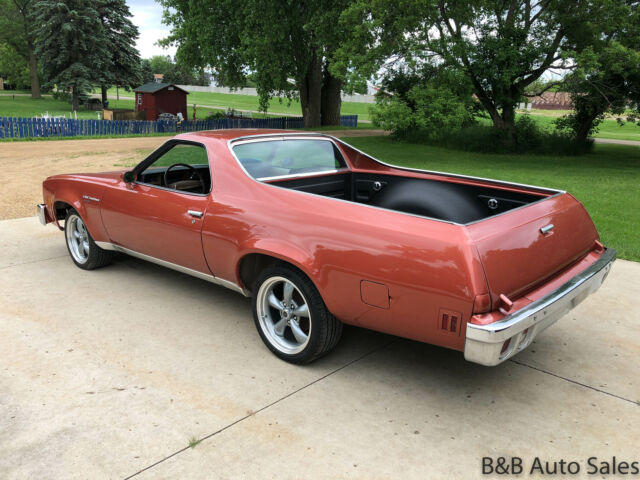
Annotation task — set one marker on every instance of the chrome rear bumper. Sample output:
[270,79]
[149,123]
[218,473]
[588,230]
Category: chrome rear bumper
[42,213]
[485,344]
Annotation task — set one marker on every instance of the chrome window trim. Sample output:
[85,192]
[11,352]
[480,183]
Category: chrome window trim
[277,136]
[305,174]
[174,266]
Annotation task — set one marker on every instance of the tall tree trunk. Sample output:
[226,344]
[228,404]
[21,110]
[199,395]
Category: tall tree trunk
[33,72]
[75,99]
[331,99]
[310,89]
[103,90]
[508,126]
[585,126]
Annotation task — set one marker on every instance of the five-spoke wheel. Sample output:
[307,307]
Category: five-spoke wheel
[77,238]
[83,250]
[291,316]
[284,315]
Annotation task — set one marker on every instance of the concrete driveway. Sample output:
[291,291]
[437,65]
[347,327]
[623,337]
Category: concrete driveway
[111,374]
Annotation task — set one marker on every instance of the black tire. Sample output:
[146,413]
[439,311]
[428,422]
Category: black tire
[96,257]
[322,328]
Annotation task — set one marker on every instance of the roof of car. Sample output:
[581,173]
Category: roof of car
[230,134]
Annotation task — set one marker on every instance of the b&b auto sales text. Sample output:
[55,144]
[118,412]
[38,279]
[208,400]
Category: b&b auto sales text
[592,466]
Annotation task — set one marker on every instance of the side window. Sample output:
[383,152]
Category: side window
[184,167]
[288,157]
[139,99]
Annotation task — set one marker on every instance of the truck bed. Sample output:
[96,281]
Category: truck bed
[445,200]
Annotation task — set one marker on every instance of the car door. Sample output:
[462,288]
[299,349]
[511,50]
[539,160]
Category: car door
[160,213]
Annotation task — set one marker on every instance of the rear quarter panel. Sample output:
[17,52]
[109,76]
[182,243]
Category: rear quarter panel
[427,265]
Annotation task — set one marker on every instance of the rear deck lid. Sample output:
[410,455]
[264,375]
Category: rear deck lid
[524,247]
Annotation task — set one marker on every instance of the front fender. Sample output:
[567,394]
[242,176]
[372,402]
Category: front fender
[85,198]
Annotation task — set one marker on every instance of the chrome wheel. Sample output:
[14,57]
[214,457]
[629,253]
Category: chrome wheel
[77,238]
[283,315]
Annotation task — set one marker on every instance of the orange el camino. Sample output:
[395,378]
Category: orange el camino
[321,234]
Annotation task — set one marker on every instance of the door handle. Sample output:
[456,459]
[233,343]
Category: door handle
[546,229]
[195,213]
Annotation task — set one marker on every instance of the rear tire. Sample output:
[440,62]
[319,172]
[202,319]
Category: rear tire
[291,317]
[83,250]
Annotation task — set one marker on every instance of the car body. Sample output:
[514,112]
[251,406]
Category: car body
[304,222]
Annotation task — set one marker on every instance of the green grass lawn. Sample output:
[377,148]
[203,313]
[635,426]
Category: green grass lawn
[28,107]
[609,128]
[606,181]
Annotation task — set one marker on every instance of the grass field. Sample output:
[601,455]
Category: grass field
[28,107]
[605,181]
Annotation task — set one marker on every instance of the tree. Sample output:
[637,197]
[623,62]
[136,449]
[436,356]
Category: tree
[276,40]
[146,72]
[124,67]
[177,72]
[607,77]
[13,67]
[71,44]
[502,47]
[17,30]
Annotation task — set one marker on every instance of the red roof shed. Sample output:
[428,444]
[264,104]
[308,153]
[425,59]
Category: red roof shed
[156,98]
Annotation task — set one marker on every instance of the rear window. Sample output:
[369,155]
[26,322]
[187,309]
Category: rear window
[273,158]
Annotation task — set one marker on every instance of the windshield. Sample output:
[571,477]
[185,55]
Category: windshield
[273,158]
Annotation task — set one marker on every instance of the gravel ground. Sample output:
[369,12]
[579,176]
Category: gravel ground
[26,164]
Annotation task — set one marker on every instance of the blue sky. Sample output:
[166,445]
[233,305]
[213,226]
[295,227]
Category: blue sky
[147,15]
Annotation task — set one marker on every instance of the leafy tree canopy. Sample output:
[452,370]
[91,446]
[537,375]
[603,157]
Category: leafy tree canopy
[501,46]
[277,40]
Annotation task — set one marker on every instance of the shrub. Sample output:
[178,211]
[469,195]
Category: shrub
[529,138]
[424,104]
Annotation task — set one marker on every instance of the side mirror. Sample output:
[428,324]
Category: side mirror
[129,177]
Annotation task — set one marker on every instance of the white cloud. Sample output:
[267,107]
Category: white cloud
[147,16]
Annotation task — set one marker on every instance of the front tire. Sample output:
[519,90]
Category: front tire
[83,250]
[291,316]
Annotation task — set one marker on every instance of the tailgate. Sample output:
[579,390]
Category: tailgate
[517,255]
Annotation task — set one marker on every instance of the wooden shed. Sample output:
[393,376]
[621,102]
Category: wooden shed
[155,98]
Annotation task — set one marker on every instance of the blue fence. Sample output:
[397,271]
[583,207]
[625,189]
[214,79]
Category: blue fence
[64,127]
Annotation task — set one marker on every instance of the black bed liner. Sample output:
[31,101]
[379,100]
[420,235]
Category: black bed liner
[443,200]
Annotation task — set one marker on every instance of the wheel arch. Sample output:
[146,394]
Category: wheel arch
[252,263]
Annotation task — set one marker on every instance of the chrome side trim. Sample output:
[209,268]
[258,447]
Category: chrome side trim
[93,199]
[484,343]
[447,174]
[179,268]
[42,214]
